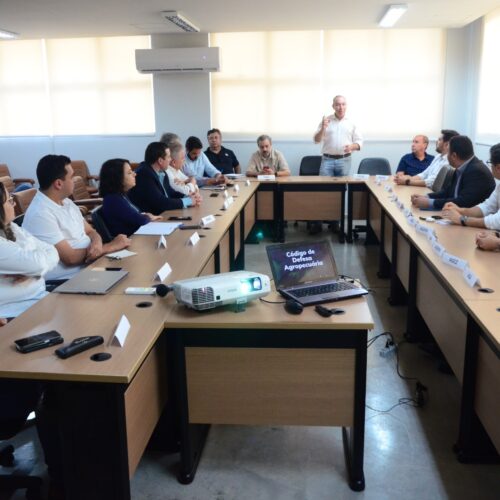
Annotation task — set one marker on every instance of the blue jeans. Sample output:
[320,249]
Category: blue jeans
[335,168]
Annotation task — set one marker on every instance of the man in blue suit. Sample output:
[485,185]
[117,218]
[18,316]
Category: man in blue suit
[152,192]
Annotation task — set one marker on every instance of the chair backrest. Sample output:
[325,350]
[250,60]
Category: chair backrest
[374,166]
[310,165]
[134,165]
[4,170]
[100,225]
[8,183]
[80,191]
[443,178]
[81,169]
[23,199]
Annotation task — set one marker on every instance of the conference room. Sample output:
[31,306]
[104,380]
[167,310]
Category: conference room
[70,86]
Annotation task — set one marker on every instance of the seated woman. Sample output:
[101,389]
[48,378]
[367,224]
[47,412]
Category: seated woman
[24,260]
[120,214]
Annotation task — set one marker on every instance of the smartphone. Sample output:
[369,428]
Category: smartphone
[214,195]
[40,341]
[192,226]
[176,217]
[113,268]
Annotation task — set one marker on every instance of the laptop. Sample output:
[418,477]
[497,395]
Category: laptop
[92,282]
[306,272]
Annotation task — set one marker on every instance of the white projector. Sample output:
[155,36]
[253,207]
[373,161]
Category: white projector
[207,292]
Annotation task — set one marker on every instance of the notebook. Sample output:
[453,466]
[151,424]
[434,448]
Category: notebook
[306,272]
[92,282]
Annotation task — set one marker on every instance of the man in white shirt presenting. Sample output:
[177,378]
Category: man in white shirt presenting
[52,217]
[428,176]
[486,214]
[339,137]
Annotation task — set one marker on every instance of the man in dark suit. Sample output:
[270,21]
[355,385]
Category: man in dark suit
[472,180]
[152,192]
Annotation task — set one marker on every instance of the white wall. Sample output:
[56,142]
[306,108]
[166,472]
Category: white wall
[182,105]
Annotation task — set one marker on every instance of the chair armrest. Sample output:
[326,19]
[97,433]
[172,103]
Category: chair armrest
[20,180]
[88,202]
[84,210]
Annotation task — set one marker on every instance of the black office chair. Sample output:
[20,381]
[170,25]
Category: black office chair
[310,165]
[371,166]
[100,225]
[25,396]
[443,178]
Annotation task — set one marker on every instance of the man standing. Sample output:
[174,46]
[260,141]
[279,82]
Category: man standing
[339,137]
[220,157]
[266,160]
[487,213]
[52,217]
[152,192]
[472,181]
[197,165]
[418,160]
[428,176]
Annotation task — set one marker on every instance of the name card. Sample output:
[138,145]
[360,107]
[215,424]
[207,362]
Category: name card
[162,242]
[381,178]
[163,272]
[247,182]
[423,229]
[225,193]
[225,205]
[438,249]
[121,331]
[388,188]
[236,188]
[266,177]
[208,219]
[431,236]
[193,240]
[408,213]
[400,205]
[411,220]
[470,278]
[363,177]
[453,260]
[393,198]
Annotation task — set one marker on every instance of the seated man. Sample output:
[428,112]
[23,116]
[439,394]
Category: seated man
[472,181]
[418,160]
[487,213]
[152,191]
[428,176]
[220,157]
[488,241]
[266,160]
[52,217]
[198,166]
[179,181]
[170,138]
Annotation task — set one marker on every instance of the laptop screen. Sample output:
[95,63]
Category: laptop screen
[300,263]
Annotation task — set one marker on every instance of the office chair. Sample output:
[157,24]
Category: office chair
[8,183]
[4,171]
[23,200]
[11,425]
[81,169]
[443,178]
[371,166]
[100,225]
[309,165]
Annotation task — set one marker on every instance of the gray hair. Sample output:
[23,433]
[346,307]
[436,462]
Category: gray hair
[262,138]
[176,149]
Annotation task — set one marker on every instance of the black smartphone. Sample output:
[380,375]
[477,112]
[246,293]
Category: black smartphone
[192,226]
[214,195]
[183,217]
[437,217]
[40,341]
[113,268]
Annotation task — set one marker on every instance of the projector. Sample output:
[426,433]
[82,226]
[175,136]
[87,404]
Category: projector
[208,292]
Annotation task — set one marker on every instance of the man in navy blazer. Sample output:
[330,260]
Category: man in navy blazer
[152,192]
[472,180]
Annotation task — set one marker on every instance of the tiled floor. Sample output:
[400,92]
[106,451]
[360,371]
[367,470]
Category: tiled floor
[408,451]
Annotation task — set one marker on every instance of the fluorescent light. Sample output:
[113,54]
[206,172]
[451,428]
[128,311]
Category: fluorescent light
[8,35]
[180,21]
[392,15]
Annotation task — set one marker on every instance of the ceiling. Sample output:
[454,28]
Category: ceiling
[80,18]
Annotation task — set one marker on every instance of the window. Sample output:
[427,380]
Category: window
[283,82]
[74,86]
[488,122]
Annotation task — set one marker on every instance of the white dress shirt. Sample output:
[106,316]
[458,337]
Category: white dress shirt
[430,173]
[491,209]
[338,134]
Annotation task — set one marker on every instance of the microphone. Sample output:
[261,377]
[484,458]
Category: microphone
[162,290]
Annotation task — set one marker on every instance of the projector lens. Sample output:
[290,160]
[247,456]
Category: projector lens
[251,285]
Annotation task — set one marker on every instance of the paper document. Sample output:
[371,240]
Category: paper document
[122,254]
[158,228]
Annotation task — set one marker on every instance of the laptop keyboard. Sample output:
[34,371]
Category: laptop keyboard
[322,289]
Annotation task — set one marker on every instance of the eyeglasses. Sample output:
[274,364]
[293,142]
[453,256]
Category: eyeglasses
[11,200]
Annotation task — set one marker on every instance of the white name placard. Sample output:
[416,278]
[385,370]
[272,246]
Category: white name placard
[225,193]
[236,188]
[193,240]
[121,331]
[266,177]
[363,177]
[470,278]
[411,220]
[438,248]
[422,229]
[162,242]
[247,182]
[400,205]
[208,219]
[431,236]
[407,212]
[163,272]
[381,178]
[453,260]
[388,188]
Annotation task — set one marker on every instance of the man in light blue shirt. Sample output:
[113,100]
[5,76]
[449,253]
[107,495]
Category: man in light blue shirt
[197,165]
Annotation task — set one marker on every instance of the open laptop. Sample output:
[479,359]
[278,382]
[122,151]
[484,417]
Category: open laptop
[306,272]
[92,282]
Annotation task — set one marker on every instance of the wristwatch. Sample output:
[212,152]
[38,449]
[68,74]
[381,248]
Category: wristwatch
[463,220]
[407,182]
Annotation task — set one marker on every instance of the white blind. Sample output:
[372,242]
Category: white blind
[75,86]
[488,123]
[282,83]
